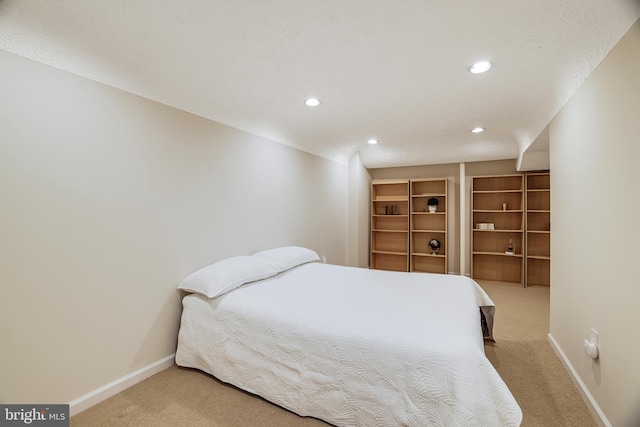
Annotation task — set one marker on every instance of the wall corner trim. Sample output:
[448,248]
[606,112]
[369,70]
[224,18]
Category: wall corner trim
[586,395]
[106,391]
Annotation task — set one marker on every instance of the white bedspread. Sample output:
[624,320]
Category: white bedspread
[353,347]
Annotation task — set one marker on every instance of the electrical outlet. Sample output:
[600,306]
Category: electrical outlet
[591,345]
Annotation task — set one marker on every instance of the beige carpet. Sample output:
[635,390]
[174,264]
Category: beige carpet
[527,362]
[522,355]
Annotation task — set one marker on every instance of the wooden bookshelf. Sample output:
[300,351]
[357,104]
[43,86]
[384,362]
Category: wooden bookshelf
[390,225]
[497,225]
[426,225]
[538,229]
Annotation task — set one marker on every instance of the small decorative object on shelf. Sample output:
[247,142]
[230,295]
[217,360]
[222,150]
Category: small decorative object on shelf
[433,204]
[510,250]
[504,206]
[434,244]
[390,210]
[485,226]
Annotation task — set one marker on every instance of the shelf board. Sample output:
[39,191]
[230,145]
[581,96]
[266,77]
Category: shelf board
[496,191]
[391,199]
[390,253]
[499,231]
[498,254]
[390,216]
[390,231]
[429,231]
[539,231]
[538,257]
[539,210]
[428,213]
[389,181]
[429,195]
[538,189]
[426,254]
[499,210]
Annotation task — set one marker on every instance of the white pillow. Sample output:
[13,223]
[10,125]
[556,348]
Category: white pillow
[288,257]
[227,274]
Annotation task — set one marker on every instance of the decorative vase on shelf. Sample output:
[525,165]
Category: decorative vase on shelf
[432,204]
[510,249]
[435,246]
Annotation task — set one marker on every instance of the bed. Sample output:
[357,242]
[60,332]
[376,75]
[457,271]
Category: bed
[350,346]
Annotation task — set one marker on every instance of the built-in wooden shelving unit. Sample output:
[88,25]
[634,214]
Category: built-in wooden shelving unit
[538,229]
[498,228]
[428,223]
[390,225]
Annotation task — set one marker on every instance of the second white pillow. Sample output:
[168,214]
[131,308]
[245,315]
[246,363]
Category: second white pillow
[287,257]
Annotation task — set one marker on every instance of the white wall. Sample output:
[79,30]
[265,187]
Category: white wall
[107,201]
[594,152]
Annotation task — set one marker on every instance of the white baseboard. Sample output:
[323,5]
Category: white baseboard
[106,391]
[588,398]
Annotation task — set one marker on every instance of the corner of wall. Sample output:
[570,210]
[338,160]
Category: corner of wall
[358,213]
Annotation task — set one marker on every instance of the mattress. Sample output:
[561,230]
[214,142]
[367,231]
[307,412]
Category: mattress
[353,347]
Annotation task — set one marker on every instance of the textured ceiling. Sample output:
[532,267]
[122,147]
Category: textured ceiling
[396,71]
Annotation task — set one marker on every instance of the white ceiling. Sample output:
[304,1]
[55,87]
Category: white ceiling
[393,70]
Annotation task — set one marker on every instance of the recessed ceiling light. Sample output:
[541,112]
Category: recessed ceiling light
[372,141]
[477,130]
[312,102]
[480,67]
